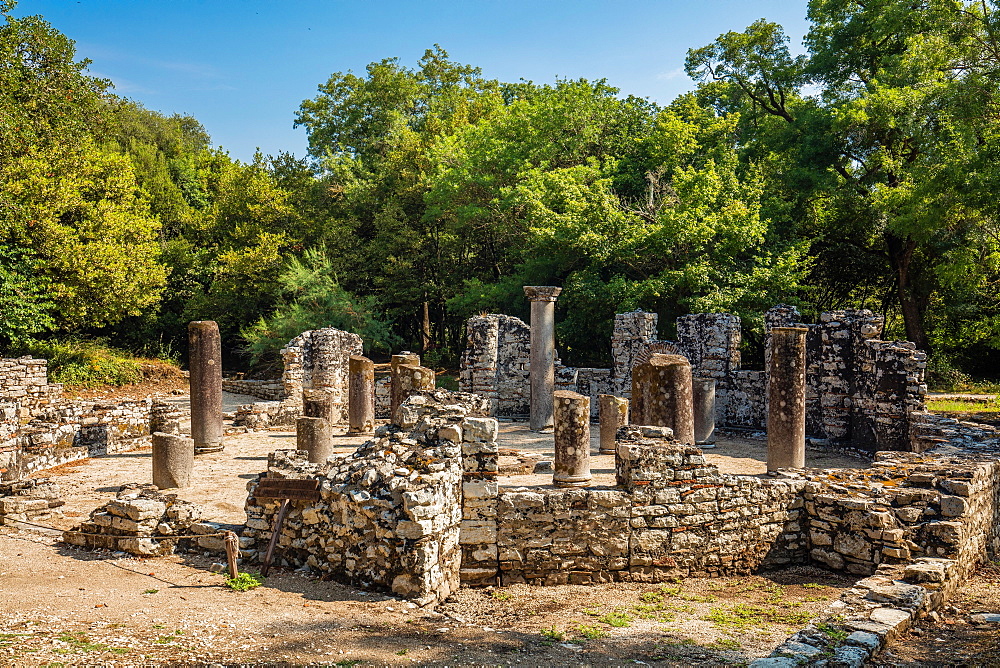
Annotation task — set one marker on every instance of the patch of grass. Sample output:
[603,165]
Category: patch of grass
[78,642]
[728,643]
[814,585]
[402,652]
[591,632]
[244,581]
[499,595]
[151,591]
[552,633]
[963,406]
[744,616]
[618,619]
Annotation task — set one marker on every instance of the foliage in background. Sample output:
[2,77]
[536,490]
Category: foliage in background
[861,173]
[313,299]
[80,363]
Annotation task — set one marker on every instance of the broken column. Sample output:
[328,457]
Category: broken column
[205,363]
[412,378]
[173,460]
[661,395]
[360,395]
[571,431]
[543,353]
[786,391]
[703,399]
[313,434]
[319,403]
[613,413]
[394,391]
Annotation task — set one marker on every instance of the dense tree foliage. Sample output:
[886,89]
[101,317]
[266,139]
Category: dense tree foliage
[859,173]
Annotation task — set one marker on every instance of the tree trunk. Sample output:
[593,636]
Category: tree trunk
[425,328]
[901,256]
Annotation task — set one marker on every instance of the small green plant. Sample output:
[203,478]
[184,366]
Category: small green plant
[652,597]
[499,595]
[151,591]
[834,633]
[552,633]
[244,581]
[591,632]
[814,585]
[618,618]
[402,652]
[727,643]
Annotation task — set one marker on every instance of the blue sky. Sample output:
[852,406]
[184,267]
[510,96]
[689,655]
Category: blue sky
[243,67]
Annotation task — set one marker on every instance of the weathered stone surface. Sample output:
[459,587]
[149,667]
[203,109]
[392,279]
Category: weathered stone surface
[662,395]
[173,460]
[786,417]
[360,395]
[205,363]
[613,414]
[572,439]
[541,369]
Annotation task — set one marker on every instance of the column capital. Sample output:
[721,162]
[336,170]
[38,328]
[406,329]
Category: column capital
[542,293]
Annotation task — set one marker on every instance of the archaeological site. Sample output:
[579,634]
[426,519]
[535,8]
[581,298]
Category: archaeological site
[434,500]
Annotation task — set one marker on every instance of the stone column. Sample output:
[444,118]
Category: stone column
[205,363]
[661,395]
[173,460]
[543,353]
[786,389]
[412,379]
[613,412]
[571,430]
[703,398]
[313,434]
[360,396]
[394,392]
[319,403]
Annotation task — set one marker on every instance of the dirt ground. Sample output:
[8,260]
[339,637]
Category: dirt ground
[956,636]
[60,605]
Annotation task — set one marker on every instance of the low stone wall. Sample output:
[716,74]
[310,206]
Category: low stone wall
[265,414]
[73,431]
[32,500]
[268,390]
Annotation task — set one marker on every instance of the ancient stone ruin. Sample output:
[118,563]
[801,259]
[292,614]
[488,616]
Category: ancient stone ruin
[860,391]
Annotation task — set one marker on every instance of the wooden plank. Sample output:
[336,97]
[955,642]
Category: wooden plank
[275,530]
[288,488]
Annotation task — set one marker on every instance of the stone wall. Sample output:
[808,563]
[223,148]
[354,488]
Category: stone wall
[317,360]
[72,431]
[495,362]
[390,514]
[24,381]
[268,390]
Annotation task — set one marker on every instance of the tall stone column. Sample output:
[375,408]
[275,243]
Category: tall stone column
[360,395]
[173,460]
[662,395]
[412,378]
[543,353]
[571,431]
[205,364]
[613,413]
[703,399]
[395,397]
[313,434]
[786,389]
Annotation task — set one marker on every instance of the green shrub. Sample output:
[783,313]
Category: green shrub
[81,363]
[244,581]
